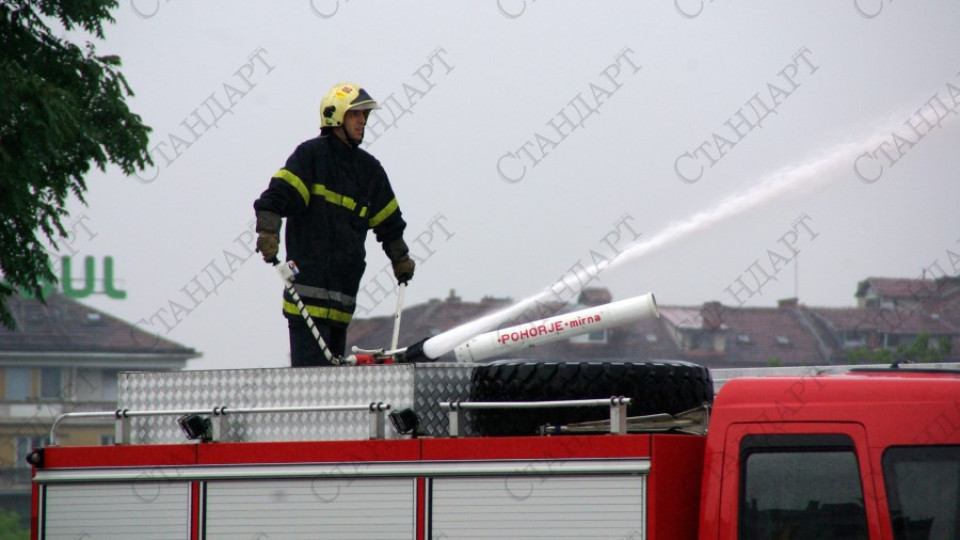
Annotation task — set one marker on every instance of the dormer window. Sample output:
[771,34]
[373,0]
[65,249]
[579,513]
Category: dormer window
[852,339]
[598,337]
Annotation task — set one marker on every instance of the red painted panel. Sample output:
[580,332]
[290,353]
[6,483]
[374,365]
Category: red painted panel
[673,487]
[421,520]
[195,503]
[570,447]
[895,408]
[34,511]
[559,447]
[56,457]
[308,452]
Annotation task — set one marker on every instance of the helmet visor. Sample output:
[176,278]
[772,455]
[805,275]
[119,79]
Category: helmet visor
[363,102]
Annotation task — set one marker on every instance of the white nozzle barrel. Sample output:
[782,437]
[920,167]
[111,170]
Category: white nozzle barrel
[556,328]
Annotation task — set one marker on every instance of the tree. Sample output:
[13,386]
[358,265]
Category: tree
[63,109]
[923,350]
[11,526]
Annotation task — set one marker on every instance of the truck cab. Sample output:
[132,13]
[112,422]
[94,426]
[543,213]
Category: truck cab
[867,454]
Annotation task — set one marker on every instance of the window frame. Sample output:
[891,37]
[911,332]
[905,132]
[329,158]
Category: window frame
[795,444]
[43,373]
[729,471]
[890,483]
[7,381]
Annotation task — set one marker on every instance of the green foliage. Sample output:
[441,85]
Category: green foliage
[922,350]
[63,109]
[11,526]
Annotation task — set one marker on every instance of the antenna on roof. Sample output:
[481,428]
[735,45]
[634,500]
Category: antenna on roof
[796,276]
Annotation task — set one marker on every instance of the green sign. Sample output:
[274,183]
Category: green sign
[74,286]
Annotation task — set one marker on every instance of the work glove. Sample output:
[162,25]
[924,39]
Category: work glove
[268,245]
[268,234]
[399,255]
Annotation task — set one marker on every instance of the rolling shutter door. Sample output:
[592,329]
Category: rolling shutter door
[538,507]
[310,508]
[144,511]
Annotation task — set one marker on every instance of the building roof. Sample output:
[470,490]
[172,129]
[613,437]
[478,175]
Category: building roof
[421,321]
[682,317]
[884,320]
[62,325]
[712,335]
[905,288]
[761,336]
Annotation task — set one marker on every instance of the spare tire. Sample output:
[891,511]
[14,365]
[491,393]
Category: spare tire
[654,387]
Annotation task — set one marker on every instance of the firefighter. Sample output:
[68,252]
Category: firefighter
[331,192]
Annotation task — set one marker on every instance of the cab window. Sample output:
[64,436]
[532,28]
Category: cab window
[923,484]
[800,487]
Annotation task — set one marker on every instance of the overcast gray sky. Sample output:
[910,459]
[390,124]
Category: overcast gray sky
[525,139]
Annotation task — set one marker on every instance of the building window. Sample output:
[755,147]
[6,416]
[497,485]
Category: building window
[51,383]
[600,336]
[16,383]
[108,389]
[852,340]
[692,340]
[894,340]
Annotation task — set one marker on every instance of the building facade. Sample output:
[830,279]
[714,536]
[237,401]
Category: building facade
[65,357]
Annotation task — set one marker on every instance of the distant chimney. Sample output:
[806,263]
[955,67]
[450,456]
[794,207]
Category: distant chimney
[595,296]
[453,298]
[712,313]
[788,303]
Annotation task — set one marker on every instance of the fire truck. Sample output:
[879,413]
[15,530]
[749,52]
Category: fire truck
[512,449]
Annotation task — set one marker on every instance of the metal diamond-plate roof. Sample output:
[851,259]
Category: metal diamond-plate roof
[278,387]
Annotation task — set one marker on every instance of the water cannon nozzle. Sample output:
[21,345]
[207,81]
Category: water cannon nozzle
[414,353]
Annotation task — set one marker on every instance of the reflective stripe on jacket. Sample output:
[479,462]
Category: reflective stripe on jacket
[331,195]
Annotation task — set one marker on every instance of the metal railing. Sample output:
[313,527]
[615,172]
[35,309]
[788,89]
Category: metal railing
[617,405]
[219,417]
[694,421]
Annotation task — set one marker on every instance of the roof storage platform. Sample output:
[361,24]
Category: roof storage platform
[418,386]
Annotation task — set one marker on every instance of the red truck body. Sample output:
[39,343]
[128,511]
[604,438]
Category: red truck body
[872,454]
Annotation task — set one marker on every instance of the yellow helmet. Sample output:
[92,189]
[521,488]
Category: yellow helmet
[341,98]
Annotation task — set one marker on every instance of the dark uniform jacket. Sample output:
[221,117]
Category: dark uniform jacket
[331,194]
